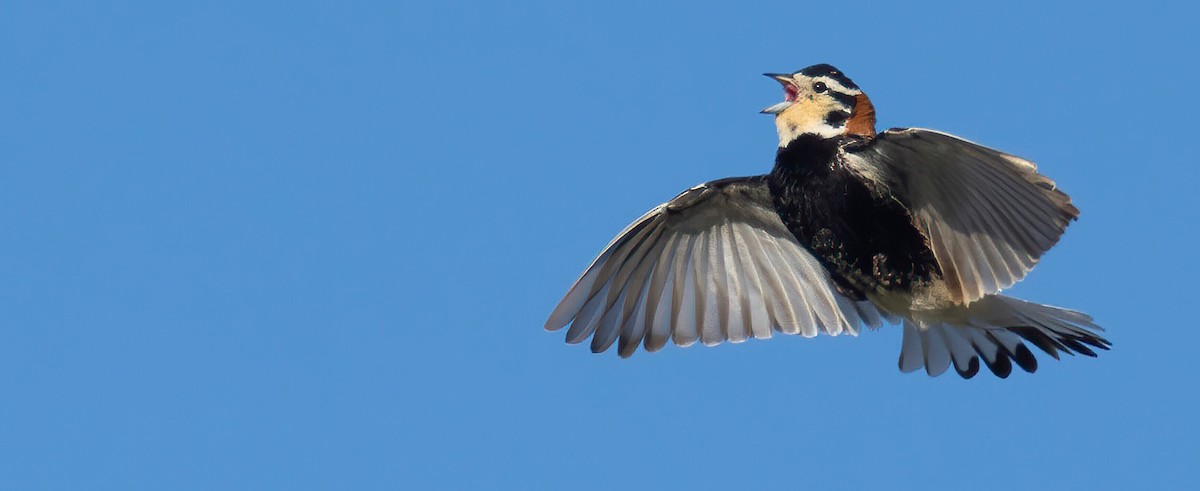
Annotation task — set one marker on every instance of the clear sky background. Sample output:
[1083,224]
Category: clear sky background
[299,245]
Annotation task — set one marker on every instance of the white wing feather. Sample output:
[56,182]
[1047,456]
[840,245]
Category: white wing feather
[713,264]
[989,216]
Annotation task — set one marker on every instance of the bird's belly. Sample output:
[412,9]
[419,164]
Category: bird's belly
[868,244]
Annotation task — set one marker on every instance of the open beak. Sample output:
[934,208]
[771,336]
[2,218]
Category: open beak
[788,86]
[782,78]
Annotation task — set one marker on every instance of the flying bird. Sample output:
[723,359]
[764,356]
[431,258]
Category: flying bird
[850,228]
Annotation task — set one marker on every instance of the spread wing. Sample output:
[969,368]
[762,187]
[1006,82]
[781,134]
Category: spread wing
[988,216]
[713,264]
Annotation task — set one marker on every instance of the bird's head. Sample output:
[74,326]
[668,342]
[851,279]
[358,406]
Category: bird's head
[820,100]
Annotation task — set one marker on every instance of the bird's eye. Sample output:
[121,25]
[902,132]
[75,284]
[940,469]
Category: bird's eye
[820,87]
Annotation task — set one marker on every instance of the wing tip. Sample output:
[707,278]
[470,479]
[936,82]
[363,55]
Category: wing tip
[553,324]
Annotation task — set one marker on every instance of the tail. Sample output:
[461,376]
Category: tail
[995,329]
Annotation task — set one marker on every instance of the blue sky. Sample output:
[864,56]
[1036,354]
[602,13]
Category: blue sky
[295,245]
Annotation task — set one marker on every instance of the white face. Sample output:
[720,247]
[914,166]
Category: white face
[812,105]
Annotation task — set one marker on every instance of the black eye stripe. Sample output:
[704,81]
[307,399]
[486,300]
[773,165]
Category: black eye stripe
[846,99]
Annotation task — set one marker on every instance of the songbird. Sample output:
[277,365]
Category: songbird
[850,228]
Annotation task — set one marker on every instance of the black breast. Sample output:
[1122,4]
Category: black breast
[865,241]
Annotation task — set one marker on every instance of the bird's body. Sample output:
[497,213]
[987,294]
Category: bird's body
[866,240]
[849,228]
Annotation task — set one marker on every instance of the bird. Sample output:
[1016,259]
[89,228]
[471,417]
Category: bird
[851,228]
